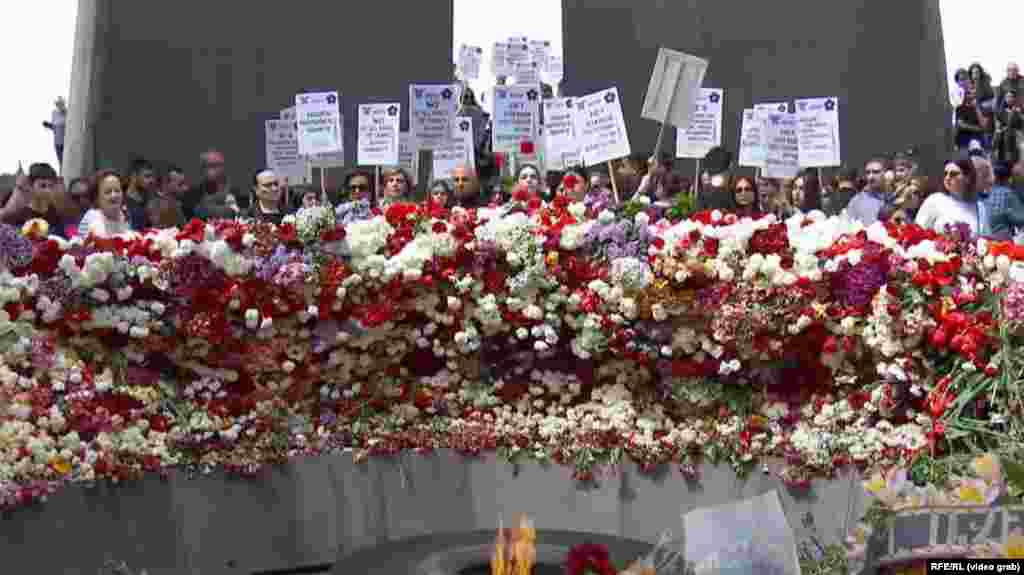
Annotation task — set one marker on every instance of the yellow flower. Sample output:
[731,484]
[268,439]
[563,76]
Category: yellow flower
[35,228]
[552,258]
[970,493]
[820,309]
[987,467]
[60,465]
[1015,546]
[876,484]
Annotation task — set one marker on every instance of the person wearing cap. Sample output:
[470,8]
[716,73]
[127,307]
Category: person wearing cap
[1005,207]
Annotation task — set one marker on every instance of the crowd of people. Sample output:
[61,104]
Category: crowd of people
[982,186]
[990,117]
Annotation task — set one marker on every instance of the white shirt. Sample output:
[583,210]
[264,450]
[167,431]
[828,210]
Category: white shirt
[941,209]
[94,221]
[58,119]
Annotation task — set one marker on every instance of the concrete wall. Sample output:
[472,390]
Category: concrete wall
[316,510]
[172,79]
[884,60]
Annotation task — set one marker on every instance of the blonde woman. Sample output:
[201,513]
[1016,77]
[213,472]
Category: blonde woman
[108,217]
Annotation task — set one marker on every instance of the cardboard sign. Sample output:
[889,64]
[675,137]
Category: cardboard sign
[432,109]
[516,117]
[705,130]
[319,123]
[469,62]
[673,88]
[818,132]
[600,128]
[561,148]
[377,142]
[456,151]
[407,153]
[752,148]
[782,155]
[282,150]
[499,59]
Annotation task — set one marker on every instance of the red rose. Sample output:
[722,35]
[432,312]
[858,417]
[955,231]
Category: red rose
[570,181]
[526,148]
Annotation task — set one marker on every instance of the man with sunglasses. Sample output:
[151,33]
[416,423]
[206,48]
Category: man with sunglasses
[866,205]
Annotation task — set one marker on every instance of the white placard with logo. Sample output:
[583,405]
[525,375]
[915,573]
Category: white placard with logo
[776,108]
[782,155]
[527,74]
[752,140]
[282,148]
[377,143]
[540,52]
[456,151]
[555,71]
[818,132]
[600,127]
[469,62]
[407,155]
[499,59]
[432,109]
[288,114]
[705,131]
[515,117]
[561,148]
[319,118]
[517,53]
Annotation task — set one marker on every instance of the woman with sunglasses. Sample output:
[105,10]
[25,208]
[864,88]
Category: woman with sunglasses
[744,195]
[957,204]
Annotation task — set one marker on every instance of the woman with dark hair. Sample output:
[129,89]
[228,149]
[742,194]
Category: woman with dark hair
[1009,129]
[528,175]
[844,186]
[909,196]
[108,217]
[957,203]
[982,85]
[744,195]
[574,184]
[439,193]
[805,195]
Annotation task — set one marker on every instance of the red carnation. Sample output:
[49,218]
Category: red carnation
[526,148]
[570,181]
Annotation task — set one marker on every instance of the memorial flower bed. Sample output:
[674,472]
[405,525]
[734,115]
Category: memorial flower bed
[539,330]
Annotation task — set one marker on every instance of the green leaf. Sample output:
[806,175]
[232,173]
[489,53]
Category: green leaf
[1014,472]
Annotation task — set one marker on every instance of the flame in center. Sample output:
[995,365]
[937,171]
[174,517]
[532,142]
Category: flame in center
[514,552]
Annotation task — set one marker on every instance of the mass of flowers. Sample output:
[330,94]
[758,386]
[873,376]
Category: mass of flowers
[541,330]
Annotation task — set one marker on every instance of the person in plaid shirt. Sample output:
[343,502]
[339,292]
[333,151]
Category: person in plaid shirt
[1005,216]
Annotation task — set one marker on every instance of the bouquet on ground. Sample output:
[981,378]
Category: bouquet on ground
[593,559]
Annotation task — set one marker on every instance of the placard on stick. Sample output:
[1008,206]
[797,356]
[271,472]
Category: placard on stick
[673,90]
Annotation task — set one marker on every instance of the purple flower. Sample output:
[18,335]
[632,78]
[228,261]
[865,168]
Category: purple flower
[15,249]
[858,285]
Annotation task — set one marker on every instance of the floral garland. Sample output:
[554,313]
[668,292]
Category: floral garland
[801,345]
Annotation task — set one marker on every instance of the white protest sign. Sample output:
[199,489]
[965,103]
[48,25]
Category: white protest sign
[782,155]
[527,73]
[328,160]
[818,132]
[499,59]
[752,149]
[540,52]
[319,120]
[600,128]
[515,117]
[705,131]
[282,148]
[432,109]
[517,53]
[407,156]
[377,142]
[673,88]
[765,109]
[469,62]
[456,150]
[561,148]
[288,114]
[555,71]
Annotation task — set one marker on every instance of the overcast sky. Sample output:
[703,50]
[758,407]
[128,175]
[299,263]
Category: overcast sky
[37,43]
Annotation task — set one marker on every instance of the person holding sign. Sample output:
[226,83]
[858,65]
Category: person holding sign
[574,184]
[806,193]
[529,176]
[865,206]
[744,194]
[267,206]
[440,193]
